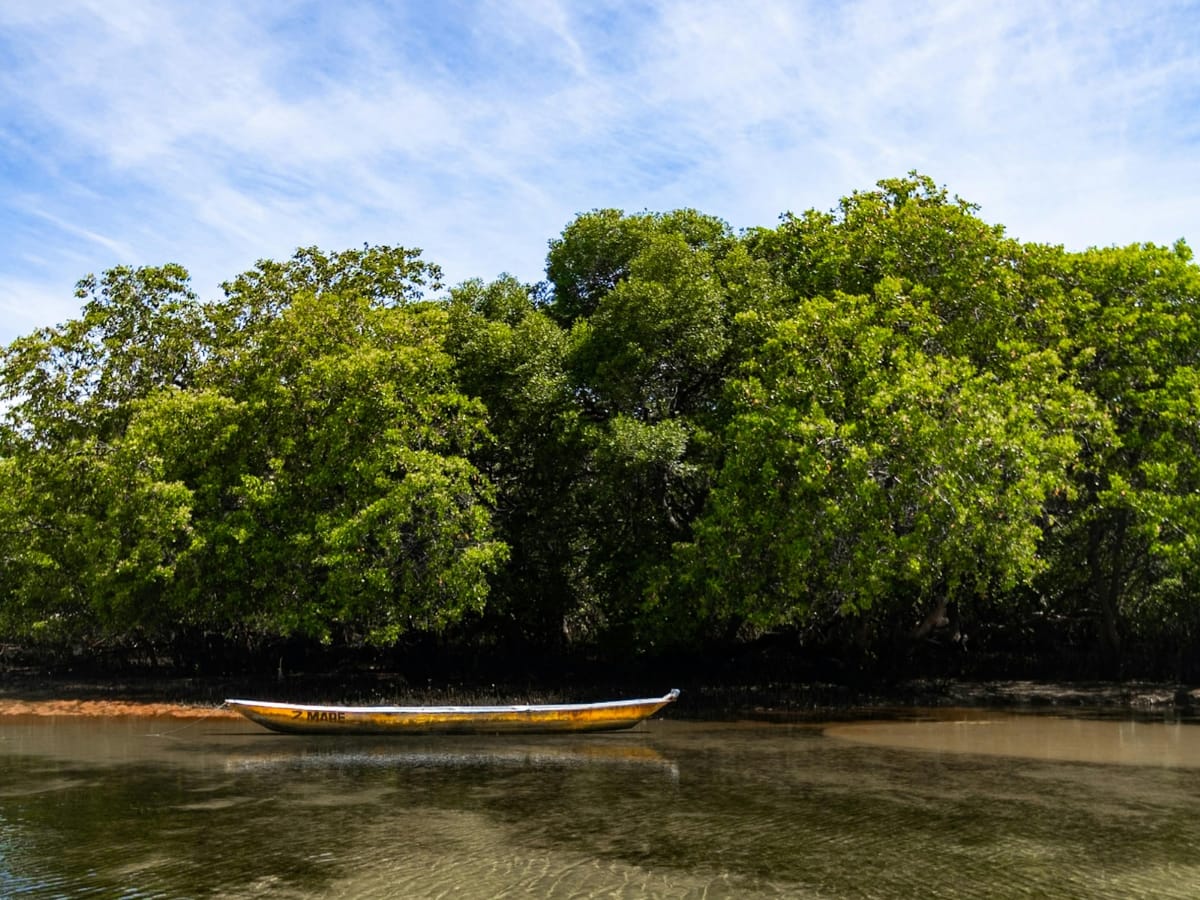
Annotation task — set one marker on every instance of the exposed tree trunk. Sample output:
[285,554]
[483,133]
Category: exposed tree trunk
[1106,540]
[937,618]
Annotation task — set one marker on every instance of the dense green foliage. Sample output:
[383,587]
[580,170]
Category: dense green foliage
[879,428]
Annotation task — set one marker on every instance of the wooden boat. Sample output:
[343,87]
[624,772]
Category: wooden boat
[296,718]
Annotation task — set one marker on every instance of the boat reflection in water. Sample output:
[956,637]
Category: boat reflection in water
[454,753]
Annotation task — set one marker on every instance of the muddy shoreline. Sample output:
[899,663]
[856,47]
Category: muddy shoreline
[28,694]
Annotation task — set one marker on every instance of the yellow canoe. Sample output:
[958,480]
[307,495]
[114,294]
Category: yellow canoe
[297,718]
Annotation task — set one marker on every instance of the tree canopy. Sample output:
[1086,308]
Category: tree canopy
[887,424]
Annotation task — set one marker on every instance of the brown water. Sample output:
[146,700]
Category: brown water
[947,805]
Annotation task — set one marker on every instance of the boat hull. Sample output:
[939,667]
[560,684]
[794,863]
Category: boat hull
[295,718]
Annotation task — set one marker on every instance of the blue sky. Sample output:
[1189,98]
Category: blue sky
[215,134]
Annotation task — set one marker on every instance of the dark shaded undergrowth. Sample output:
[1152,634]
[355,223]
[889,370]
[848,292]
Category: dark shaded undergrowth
[769,679]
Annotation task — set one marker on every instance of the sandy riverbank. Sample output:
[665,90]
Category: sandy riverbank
[111,709]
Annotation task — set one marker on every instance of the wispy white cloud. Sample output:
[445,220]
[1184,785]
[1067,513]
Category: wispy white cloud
[115,247]
[26,305]
[217,134]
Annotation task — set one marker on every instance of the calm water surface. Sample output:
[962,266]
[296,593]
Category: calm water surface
[946,805]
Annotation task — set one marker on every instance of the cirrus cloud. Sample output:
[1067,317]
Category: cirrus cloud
[140,132]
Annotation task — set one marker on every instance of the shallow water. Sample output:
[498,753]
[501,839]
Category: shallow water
[965,804]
